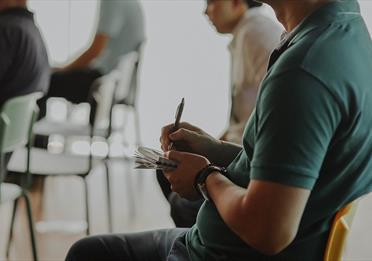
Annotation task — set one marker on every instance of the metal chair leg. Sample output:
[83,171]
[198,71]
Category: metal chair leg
[10,238]
[108,191]
[31,225]
[130,192]
[86,205]
[137,126]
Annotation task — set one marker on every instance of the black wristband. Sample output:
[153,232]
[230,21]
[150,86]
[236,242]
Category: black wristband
[201,177]
[198,176]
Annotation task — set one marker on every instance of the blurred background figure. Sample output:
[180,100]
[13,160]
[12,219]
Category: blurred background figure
[120,30]
[24,66]
[255,36]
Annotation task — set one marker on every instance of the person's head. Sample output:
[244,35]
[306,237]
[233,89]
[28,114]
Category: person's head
[225,14]
[6,4]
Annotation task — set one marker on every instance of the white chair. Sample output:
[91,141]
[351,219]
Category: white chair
[16,121]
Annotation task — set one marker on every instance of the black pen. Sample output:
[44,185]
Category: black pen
[177,121]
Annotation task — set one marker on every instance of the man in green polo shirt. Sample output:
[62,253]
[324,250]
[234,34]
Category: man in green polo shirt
[306,152]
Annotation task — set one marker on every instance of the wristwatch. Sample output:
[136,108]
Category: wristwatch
[202,176]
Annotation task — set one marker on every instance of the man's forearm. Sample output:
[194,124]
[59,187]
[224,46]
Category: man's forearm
[224,153]
[81,62]
[229,200]
[98,45]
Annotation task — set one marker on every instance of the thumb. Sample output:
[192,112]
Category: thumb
[175,155]
[182,135]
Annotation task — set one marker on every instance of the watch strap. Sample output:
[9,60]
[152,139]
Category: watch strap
[201,177]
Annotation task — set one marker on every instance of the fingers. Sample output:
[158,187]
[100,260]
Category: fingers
[184,133]
[175,155]
[164,137]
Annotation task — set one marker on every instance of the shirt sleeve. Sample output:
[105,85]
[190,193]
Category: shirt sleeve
[111,18]
[297,117]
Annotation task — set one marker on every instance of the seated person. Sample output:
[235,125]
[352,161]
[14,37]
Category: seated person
[255,36]
[24,66]
[306,153]
[120,31]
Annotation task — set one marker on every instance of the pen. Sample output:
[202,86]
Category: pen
[177,121]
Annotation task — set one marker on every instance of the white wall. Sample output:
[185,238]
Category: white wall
[366,7]
[184,57]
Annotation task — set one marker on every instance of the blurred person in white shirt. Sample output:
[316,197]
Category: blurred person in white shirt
[255,36]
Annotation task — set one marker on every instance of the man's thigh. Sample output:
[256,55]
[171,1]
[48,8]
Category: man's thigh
[155,245]
[73,85]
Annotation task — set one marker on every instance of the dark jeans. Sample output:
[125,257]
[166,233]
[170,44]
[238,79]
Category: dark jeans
[182,211]
[157,245]
[73,85]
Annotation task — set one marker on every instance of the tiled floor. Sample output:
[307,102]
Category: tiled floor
[138,205]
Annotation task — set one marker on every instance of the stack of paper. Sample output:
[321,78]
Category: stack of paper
[147,158]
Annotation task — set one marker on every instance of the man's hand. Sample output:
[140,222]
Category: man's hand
[188,138]
[182,179]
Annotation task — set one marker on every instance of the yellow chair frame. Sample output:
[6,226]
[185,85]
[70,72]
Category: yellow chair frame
[340,229]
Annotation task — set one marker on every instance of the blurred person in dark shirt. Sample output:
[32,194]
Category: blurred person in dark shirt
[24,66]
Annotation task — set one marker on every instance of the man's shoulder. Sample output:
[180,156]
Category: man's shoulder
[325,52]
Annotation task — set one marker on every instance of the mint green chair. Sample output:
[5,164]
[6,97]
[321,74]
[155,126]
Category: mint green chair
[17,116]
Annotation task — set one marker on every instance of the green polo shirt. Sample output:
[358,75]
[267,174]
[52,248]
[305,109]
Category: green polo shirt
[312,129]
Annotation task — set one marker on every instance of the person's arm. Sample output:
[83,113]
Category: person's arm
[111,19]
[224,154]
[266,215]
[96,48]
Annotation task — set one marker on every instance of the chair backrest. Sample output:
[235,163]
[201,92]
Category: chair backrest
[340,229]
[117,87]
[126,92]
[126,73]
[102,92]
[16,119]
